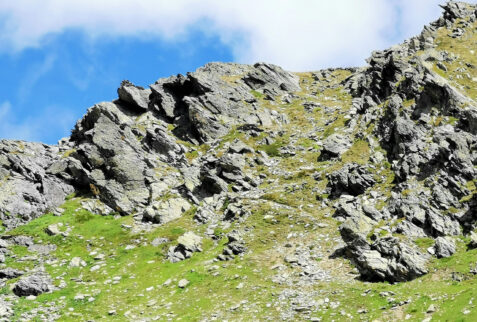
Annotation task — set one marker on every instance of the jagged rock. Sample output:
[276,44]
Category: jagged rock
[240,147]
[10,273]
[136,96]
[191,242]
[203,105]
[117,169]
[352,179]
[95,206]
[347,207]
[441,225]
[373,213]
[27,190]
[409,229]
[455,10]
[271,79]
[166,211]
[235,212]
[54,229]
[334,146]
[473,240]
[22,240]
[139,154]
[35,284]
[444,247]
[204,214]
[187,244]
[390,260]
[235,246]
[355,228]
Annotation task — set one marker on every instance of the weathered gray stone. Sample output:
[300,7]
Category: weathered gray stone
[167,210]
[187,244]
[136,96]
[334,146]
[444,247]
[35,284]
[10,273]
[352,179]
[27,190]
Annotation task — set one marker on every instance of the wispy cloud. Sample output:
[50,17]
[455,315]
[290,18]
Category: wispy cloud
[34,128]
[36,73]
[299,34]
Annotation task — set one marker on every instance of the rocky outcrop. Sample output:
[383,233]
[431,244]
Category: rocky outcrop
[334,146]
[352,179]
[116,149]
[444,247]
[192,145]
[431,161]
[27,187]
[235,246]
[186,245]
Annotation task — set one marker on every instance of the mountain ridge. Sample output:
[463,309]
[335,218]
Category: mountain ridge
[237,153]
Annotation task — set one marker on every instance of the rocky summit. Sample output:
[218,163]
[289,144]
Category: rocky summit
[240,192]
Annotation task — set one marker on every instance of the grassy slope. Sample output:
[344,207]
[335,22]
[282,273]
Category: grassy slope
[141,293]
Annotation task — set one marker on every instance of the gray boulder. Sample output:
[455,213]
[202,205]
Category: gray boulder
[186,245]
[334,146]
[235,246]
[388,259]
[10,273]
[135,96]
[35,284]
[166,211]
[352,179]
[444,247]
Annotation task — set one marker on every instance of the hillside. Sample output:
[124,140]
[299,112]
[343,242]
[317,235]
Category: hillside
[243,193]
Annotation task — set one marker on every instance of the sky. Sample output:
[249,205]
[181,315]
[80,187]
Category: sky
[59,57]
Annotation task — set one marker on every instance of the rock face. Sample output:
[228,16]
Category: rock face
[432,161]
[352,179]
[393,155]
[28,188]
[117,147]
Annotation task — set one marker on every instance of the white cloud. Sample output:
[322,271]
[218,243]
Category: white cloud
[36,73]
[34,128]
[297,34]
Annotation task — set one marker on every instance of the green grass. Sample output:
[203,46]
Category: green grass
[287,214]
[257,94]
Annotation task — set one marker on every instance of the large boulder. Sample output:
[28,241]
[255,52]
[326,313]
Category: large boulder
[334,146]
[352,179]
[186,245]
[166,211]
[36,284]
[136,96]
[389,259]
[444,247]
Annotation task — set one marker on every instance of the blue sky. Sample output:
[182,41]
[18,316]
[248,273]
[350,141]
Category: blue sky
[59,57]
